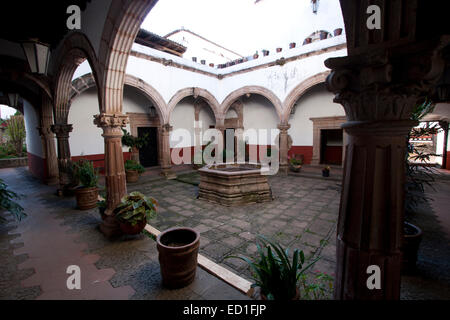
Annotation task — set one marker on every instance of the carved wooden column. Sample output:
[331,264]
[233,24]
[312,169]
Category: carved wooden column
[379,93]
[48,141]
[166,165]
[115,177]
[284,148]
[62,132]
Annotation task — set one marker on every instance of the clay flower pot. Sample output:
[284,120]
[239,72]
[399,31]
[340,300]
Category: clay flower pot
[131,230]
[211,65]
[279,49]
[295,168]
[337,32]
[323,35]
[292,45]
[255,56]
[86,198]
[132,176]
[307,41]
[178,254]
[411,241]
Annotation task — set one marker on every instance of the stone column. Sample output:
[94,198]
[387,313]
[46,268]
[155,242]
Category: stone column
[115,176]
[284,148]
[166,165]
[48,141]
[62,132]
[51,160]
[379,108]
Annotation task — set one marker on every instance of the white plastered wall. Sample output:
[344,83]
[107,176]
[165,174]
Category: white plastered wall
[86,138]
[33,139]
[316,103]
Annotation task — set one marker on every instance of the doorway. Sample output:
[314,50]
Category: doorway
[148,155]
[332,142]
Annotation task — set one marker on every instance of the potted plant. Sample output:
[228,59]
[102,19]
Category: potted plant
[292,45]
[134,211]
[279,50]
[274,273]
[87,193]
[178,255]
[265,53]
[326,172]
[323,35]
[133,169]
[134,143]
[337,32]
[8,204]
[256,55]
[296,164]
[211,65]
[417,177]
[194,59]
[307,41]
[203,62]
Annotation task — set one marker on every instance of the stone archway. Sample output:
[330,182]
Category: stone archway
[299,91]
[249,90]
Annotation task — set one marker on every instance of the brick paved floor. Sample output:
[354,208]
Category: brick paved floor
[36,252]
[302,216]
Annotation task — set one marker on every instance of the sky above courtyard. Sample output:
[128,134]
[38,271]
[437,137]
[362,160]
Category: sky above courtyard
[243,25]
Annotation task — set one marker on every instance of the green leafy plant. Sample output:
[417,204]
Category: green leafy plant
[273,271]
[418,173]
[84,171]
[136,208]
[296,162]
[16,132]
[320,288]
[7,202]
[132,165]
[133,142]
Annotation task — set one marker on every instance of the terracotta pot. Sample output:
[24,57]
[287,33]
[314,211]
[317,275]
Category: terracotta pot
[178,254]
[132,176]
[338,32]
[323,35]
[292,45]
[211,65]
[307,41]
[296,168]
[279,49]
[129,229]
[86,198]
[410,248]
[255,56]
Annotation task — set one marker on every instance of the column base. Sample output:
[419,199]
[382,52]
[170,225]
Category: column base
[168,174]
[110,227]
[284,169]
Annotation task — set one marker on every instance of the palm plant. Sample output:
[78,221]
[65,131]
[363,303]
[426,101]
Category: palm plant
[7,202]
[274,273]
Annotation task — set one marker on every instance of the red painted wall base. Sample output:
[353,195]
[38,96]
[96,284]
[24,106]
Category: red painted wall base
[37,167]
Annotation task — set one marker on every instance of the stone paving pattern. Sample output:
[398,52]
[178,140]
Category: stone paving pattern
[37,251]
[302,216]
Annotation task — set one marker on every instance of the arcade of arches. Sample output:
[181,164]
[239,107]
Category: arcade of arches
[365,96]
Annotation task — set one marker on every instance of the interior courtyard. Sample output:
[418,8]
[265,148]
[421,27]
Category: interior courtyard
[331,116]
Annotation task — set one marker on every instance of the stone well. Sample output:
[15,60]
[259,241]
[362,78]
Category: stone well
[234,184]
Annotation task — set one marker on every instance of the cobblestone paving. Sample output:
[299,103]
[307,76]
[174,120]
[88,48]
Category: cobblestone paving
[303,215]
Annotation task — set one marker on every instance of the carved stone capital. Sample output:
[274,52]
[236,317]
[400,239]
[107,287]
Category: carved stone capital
[45,132]
[167,128]
[111,120]
[62,130]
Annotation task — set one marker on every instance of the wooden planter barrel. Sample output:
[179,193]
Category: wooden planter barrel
[87,198]
[178,254]
[132,176]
